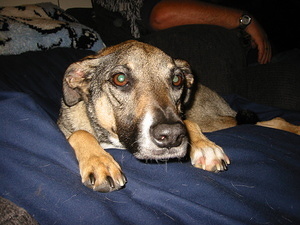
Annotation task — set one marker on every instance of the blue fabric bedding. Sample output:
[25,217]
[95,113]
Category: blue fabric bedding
[39,172]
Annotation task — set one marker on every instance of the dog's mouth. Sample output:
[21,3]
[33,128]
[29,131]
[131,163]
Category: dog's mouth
[150,139]
[156,153]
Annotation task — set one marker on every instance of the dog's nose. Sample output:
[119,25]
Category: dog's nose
[168,135]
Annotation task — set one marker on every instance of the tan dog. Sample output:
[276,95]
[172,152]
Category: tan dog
[132,96]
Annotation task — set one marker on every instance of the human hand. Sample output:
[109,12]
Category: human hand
[259,40]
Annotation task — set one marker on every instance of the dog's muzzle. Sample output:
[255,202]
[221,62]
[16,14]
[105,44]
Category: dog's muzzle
[162,140]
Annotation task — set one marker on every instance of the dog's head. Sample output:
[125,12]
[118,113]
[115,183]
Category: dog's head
[136,92]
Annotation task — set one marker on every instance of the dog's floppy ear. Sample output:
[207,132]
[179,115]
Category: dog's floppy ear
[76,81]
[78,76]
[186,69]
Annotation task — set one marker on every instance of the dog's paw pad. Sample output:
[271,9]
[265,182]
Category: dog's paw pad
[102,174]
[210,157]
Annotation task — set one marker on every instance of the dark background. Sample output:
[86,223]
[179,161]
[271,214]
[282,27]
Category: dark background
[279,18]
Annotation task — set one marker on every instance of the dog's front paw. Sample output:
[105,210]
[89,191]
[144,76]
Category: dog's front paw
[208,156]
[102,173]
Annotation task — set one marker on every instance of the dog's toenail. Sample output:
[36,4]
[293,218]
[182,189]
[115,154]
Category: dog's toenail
[224,165]
[110,181]
[92,178]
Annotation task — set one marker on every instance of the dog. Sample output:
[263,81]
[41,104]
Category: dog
[135,96]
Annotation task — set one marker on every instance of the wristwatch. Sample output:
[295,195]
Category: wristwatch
[244,20]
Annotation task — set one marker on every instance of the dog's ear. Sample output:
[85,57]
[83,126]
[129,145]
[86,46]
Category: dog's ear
[186,69]
[75,83]
[78,76]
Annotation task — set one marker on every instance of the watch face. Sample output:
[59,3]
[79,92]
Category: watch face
[245,20]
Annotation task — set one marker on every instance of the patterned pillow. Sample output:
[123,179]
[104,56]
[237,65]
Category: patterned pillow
[41,27]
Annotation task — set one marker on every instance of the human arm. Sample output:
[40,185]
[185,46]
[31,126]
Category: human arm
[170,13]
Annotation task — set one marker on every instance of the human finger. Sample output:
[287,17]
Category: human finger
[264,53]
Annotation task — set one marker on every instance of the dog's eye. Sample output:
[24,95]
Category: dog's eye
[177,80]
[120,79]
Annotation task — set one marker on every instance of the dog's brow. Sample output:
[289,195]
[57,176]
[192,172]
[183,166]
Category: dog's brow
[121,68]
[176,70]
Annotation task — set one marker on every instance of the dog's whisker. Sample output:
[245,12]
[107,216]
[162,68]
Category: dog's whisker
[166,166]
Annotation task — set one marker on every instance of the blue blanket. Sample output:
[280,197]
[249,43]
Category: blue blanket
[39,171]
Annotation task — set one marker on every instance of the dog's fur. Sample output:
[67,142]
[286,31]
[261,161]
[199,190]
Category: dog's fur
[132,96]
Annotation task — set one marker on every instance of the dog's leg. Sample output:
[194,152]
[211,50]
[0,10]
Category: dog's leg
[98,169]
[204,153]
[281,124]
